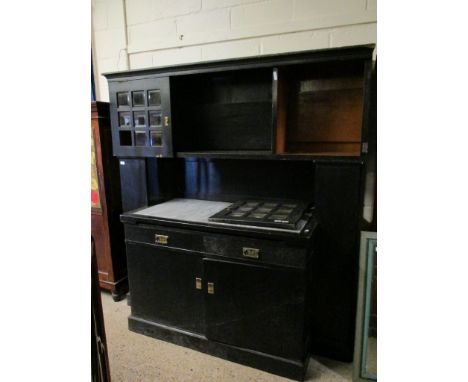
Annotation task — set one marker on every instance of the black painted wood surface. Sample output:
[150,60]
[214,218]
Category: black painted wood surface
[256,307]
[230,180]
[133,183]
[275,248]
[162,283]
[259,306]
[228,105]
[265,61]
[223,111]
[214,134]
[277,365]
[141,85]
[334,268]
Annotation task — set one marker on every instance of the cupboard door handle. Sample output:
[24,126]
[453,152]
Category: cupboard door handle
[166,121]
[210,288]
[161,239]
[198,283]
[253,253]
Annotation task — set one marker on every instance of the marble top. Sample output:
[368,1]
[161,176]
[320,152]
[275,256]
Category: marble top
[198,211]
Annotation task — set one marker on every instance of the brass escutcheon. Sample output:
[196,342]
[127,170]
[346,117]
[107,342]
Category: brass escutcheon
[253,253]
[211,288]
[161,239]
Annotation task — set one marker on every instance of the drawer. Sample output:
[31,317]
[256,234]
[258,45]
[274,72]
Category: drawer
[256,250]
[164,237]
[262,251]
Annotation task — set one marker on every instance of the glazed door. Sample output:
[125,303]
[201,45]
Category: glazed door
[164,286]
[255,307]
[141,117]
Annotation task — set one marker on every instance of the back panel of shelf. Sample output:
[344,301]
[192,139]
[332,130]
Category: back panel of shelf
[320,108]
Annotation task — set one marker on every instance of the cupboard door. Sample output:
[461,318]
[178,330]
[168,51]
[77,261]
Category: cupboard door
[163,286]
[141,117]
[255,307]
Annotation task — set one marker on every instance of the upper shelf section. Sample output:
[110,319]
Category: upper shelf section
[223,111]
[320,108]
[296,105]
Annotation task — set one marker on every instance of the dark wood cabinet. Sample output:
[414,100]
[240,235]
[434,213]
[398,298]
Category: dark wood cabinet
[106,229]
[293,126]
[195,287]
[310,103]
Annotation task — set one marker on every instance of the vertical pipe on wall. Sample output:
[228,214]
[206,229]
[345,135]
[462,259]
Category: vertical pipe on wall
[127,58]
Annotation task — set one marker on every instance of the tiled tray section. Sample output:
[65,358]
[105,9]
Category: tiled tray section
[267,213]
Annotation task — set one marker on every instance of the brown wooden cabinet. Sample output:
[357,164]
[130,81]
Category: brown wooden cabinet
[106,206]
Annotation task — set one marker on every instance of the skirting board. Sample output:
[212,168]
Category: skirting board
[292,369]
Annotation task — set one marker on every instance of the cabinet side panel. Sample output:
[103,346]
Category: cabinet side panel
[335,264]
[133,181]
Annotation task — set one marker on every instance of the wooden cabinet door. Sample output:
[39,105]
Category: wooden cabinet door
[255,307]
[141,117]
[163,286]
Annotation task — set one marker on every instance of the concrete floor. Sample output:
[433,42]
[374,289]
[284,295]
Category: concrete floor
[134,357]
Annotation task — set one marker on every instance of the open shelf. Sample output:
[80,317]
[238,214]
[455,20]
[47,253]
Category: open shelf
[300,104]
[299,112]
[320,109]
[223,111]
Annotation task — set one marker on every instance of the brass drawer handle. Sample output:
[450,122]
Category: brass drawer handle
[161,239]
[253,253]
[166,121]
[198,283]
[210,288]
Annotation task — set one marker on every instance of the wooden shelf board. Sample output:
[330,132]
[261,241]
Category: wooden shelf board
[268,155]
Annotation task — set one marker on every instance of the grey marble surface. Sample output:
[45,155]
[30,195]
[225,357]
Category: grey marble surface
[193,210]
[198,211]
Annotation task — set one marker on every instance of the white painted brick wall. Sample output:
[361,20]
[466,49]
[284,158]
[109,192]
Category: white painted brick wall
[265,12]
[231,49]
[203,26]
[312,8]
[109,42]
[134,34]
[176,56]
[298,41]
[353,35]
[144,37]
[210,4]
[142,11]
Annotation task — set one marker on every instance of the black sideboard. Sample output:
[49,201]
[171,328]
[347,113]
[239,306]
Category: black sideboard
[297,126]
